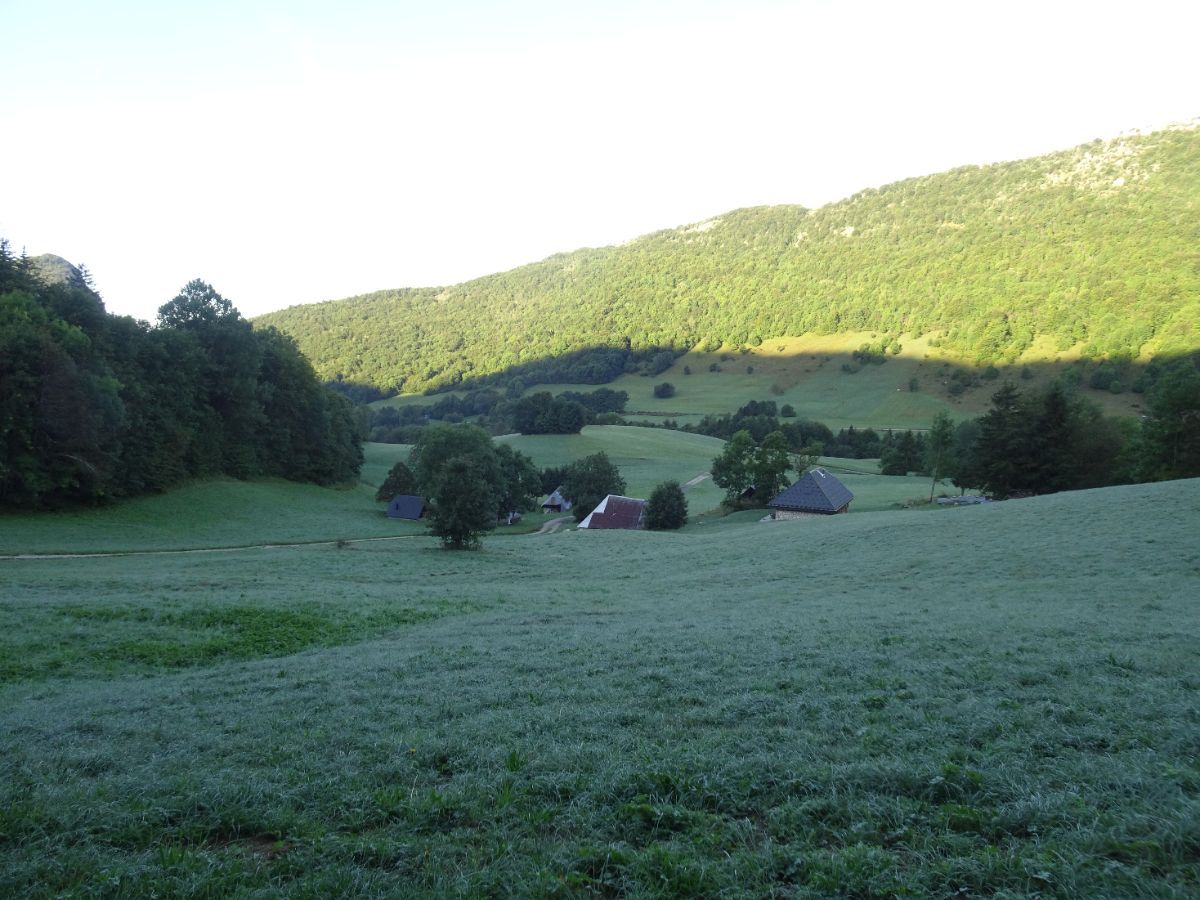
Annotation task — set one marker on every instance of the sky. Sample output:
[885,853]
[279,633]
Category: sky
[289,152]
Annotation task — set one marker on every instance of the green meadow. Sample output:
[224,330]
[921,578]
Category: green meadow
[208,514]
[226,513]
[997,700]
[646,457]
[807,373]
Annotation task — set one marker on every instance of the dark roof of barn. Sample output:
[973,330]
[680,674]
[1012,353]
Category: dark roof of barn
[615,511]
[406,506]
[815,491]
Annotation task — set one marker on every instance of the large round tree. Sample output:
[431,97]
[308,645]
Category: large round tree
[468,482]
[667,507]
[589,480]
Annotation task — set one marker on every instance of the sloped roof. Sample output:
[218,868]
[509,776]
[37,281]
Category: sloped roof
[557,499]
[406,506]
[615,511]
[815,491]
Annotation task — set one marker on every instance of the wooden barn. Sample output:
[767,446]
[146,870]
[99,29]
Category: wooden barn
[815,493]
[615,511]
[406,506]
[556,502]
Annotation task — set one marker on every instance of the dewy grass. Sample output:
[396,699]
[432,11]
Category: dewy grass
[224,513]
[214,513]
[997,700]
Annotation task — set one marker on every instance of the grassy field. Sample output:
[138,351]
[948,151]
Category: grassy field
[645,456]
[215,513]
[1000,700]
[807,373]
[225,513]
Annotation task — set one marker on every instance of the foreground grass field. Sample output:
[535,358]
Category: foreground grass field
[1000,700]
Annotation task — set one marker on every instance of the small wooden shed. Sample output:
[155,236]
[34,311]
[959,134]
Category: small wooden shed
[556,502]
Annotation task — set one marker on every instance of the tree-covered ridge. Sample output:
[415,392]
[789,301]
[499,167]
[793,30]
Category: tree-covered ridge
[95,407]
[1095,246]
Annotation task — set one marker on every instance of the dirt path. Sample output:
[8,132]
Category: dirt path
[697,480]
[282,546]
[552,526]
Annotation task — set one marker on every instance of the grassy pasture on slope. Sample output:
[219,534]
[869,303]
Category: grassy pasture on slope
[998,700]
[645,456]
[806,372]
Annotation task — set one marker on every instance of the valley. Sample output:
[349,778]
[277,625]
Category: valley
[225,671]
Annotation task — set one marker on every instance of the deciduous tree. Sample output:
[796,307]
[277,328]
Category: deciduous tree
[939,450]
[732,469]
[458,473]
[667,507]
[400,480]
[770,465]
[589,480]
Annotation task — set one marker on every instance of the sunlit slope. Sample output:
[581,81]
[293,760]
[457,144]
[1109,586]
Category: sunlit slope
[1094,248]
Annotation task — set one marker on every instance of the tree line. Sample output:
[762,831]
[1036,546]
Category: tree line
[1041,442]
[95,407]
[539,413]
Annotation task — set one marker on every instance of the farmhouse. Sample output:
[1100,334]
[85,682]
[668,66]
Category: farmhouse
[406,506]
[816,493]
[556,502]
[615,511]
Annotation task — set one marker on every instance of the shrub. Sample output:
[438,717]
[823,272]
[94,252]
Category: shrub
[664,390]
[667,507]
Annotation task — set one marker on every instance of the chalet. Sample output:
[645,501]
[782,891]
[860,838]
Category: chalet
[615,511]
[406,506]
[556,502]
[815,493]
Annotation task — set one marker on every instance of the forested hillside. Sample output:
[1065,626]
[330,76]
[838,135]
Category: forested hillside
[1096,247]
[95,407]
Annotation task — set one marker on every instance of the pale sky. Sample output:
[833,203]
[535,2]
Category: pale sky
[294,151]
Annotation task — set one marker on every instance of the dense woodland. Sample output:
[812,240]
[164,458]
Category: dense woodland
[95,407]
[1095,246]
